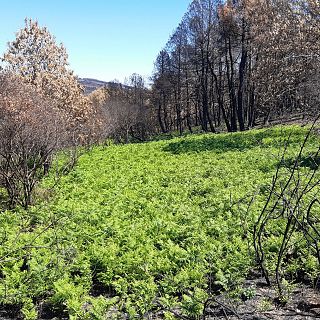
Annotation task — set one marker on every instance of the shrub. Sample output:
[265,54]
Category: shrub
[31,130]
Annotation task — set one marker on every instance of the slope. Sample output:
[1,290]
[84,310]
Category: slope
[147,229]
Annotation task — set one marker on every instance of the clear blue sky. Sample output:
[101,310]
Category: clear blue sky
[105,39]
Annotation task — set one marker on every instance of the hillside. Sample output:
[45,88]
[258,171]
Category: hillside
[162,230]
[90,85]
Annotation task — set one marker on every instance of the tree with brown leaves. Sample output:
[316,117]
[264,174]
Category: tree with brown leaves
[32,128]
[37,59]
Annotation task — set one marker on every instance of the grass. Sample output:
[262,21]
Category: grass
[139,228]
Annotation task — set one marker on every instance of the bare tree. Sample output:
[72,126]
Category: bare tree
[237,61]
[162,89]
[123,110]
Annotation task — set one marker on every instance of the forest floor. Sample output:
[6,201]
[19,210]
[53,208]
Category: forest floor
[303,304]
[137,229]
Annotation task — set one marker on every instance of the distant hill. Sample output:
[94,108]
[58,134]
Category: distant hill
[93,84]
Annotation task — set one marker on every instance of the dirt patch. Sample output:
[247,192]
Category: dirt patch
[303,304]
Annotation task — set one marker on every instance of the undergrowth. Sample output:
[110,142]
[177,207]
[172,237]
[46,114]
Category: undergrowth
[148,228]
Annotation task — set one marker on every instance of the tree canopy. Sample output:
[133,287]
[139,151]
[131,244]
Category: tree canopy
[38,60]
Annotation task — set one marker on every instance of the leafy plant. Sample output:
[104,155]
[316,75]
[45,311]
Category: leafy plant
[158,227]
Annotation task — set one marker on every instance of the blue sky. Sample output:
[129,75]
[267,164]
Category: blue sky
[105,39]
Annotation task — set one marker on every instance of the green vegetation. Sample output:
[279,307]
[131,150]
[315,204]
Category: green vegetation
[140,228]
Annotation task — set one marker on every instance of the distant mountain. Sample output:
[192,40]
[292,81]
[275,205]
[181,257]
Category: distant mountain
[93,84]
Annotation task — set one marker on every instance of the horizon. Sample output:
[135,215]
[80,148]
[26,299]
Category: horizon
[104,40]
